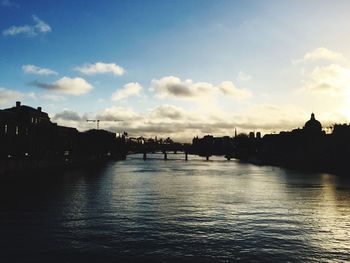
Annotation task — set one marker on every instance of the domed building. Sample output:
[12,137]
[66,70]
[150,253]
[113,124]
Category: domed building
[313,126]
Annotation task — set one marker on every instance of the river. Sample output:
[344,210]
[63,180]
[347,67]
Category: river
[170,211]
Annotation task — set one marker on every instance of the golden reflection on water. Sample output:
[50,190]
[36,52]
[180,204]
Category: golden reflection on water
[231,208]
[331,215]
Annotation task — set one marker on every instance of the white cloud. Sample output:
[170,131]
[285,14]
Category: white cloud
[244,76]
[73,86]
[320,53]
[40,27]
[7,95]
[101,68]
[228,88]
[38,70]
[327,89]
[174,87]
[330,80]
[130,89]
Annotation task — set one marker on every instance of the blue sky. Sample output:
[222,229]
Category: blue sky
[178,68]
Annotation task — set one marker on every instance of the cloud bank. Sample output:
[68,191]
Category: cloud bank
[170,120]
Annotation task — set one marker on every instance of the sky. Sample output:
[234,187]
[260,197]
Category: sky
[180,68]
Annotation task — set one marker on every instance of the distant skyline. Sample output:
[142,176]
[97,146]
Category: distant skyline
[178,68]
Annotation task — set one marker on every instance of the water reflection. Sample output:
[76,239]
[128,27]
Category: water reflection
[172,210]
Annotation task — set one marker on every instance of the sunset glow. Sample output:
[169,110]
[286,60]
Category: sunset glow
[184,67]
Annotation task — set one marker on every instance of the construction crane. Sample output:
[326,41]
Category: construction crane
[98,122]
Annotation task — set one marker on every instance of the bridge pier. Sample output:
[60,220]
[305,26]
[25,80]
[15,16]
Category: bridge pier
[186,156]
[165,156]
[144,156]
[207,157]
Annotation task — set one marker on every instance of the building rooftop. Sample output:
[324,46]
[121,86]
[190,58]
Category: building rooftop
[27,109]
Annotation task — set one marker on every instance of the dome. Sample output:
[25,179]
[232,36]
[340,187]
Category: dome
[313,125]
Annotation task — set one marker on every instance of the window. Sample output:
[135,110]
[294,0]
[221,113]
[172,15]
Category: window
[17,130]
[32,120]
[5,128]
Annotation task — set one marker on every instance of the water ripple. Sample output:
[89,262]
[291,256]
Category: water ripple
[170,211]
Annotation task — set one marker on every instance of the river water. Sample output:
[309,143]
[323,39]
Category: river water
[170,211]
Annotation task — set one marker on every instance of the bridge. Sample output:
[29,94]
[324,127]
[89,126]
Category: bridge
[147,149]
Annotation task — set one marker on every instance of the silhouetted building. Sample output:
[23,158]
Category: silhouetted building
[96,143]
[210,145]
[28,115]
[341,130]
[313,126]
[309,147]
[21,120]
[27,133]
[7,123]
[258,135]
